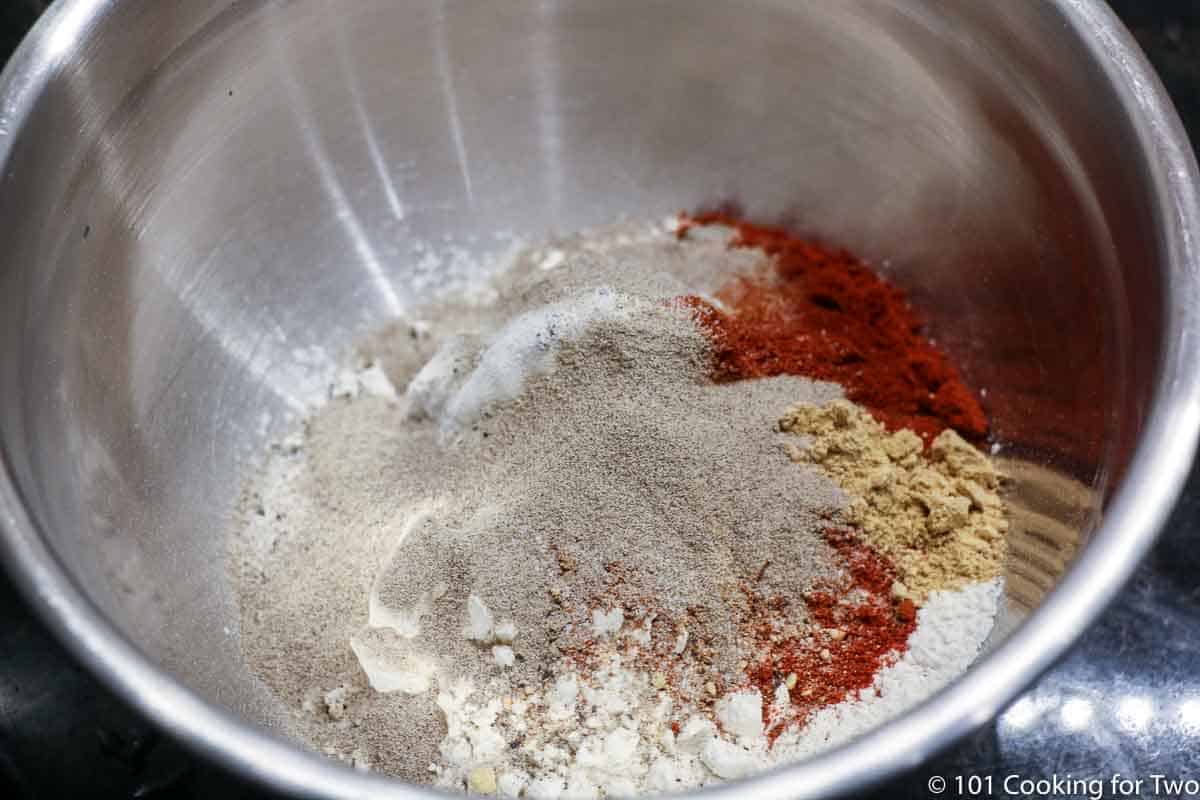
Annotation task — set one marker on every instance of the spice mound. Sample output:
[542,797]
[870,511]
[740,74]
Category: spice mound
[935,514]
[662,505]
[822,313]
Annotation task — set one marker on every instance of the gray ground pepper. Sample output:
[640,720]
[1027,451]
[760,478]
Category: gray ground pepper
[624,452]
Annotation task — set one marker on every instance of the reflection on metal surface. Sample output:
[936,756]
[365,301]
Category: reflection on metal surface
[1135,713]
[195,246]
[365,124]
[66,35]
[320,159]
[1021,714]
[1139,657]
[1049,515]
[445,74]
[1075,714]
[1131,714]
[1189,717]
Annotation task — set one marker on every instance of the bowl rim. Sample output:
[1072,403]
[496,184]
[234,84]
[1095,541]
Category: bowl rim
[1134,517]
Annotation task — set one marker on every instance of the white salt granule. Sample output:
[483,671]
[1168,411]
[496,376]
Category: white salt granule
[369,379]
[547,788]
[504,656]
[480,623]
[607,622]
[740,713]
[562,695]
[511,783]
[506,631]
[335,702]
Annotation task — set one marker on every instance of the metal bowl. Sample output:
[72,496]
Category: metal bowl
[197,194]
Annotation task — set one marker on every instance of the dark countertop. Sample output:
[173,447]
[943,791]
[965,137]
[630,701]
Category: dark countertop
[1126,701]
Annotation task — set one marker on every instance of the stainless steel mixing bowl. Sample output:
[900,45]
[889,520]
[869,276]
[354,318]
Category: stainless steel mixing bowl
[197,197]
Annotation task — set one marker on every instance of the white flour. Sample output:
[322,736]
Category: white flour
[608,733]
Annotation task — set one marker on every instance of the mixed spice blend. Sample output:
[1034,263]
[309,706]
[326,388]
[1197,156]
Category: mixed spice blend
[661,505]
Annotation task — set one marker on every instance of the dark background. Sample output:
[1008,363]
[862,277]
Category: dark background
[1127,700]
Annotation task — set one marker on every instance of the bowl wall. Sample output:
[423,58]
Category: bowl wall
[211,202]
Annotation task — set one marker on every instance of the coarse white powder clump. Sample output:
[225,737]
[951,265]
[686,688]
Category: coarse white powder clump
[740,714]
[366,377]
[480,623]
[391,662]
[504,655]
[506,632]
[335,702]
[625,745]
[609,622]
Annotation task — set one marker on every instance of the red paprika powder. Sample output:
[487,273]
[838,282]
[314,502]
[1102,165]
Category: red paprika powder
[824,314]
[858,631]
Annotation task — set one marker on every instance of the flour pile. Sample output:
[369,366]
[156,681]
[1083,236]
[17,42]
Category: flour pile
[511,553]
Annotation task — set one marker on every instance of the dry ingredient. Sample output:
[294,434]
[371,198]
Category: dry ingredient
[858,629]
[613,731]
[560,560]
[820,312]
[556,458]
[936,515]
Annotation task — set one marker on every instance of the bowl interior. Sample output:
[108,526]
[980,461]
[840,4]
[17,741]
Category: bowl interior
[217,199]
